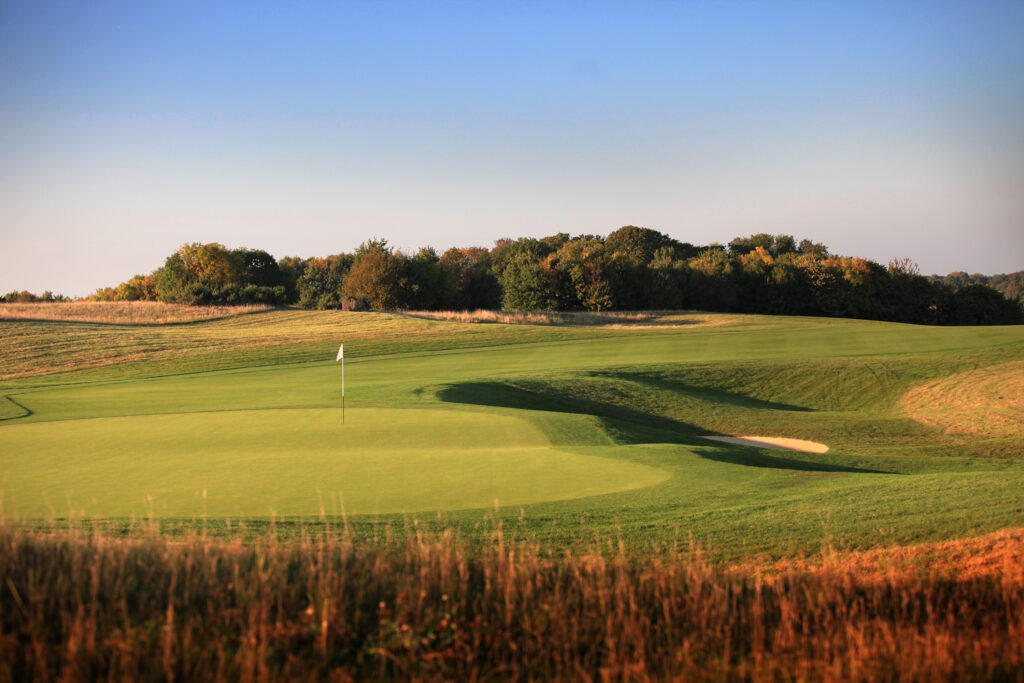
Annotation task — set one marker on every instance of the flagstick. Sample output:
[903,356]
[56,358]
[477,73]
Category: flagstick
[341,357]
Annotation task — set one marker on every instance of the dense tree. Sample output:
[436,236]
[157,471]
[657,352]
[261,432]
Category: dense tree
[633,268]
[425,287]
[292,268]
[138,288]
[526,284]
[468,281]
[638,245]
[714,281]
[321,282]
[976,304]
[776,245]
[1010,285]
[582,277]
[813,248]
[209,273]
[670,279]
[744,245]
[255,267]
[27,297]
[379,276]
[194,274]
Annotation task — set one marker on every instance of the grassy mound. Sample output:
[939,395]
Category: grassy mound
[986,402]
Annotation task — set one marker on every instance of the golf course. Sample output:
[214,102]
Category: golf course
[565,431]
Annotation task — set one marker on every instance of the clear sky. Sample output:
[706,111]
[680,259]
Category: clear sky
[883,128]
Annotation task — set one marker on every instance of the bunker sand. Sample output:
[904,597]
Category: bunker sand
[776,442]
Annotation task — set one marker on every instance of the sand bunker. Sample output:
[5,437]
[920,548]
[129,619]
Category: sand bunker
[779,442]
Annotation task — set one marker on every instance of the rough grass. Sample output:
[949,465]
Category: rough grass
[87,350]
[986,402]
[610,319]
[123,312]
[86,607]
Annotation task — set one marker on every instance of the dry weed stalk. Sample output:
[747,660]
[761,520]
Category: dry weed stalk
[84,606]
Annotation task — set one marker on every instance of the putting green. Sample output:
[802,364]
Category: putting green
[295,463]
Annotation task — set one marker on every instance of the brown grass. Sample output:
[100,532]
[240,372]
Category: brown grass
[34,349]
[122,312]
[987,402]
[80,606]
[999,553]
[610,319]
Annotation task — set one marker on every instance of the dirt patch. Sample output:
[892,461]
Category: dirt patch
[777,442]
[987,402]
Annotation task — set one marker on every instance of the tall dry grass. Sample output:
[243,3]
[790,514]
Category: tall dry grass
[79,606]
[578,318]
[122,312]
[532,317]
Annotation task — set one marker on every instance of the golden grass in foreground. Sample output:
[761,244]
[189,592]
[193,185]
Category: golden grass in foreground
[985,402]
[122,312]
[84,607]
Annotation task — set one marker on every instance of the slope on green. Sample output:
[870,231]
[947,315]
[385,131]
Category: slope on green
[296,463]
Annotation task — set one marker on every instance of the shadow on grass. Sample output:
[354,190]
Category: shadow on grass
[629,426]
[25,411]
[699,392]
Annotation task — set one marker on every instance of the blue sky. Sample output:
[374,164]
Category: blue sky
[883,129]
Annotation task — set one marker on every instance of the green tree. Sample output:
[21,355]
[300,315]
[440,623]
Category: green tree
[638,245]
[425,280]
[321,282]
[379,276]
[816,249]
[776,245]
[526,285]
[138,288]
[195,274]
[584,278]
[468,281]
[292,268]
[255,267]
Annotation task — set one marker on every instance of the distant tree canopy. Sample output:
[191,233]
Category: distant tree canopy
[209,273]
[26,297]
[632,268]
[1010,285]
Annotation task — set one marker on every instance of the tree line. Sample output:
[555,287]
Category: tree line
[27,297]
[1010,285]
[633,268]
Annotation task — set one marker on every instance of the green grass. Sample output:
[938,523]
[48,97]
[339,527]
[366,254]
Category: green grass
[571,431]
[297,462]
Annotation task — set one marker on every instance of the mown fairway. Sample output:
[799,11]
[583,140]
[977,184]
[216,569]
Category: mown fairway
[570,431]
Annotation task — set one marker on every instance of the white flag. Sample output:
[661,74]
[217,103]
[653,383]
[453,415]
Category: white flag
[341,353]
